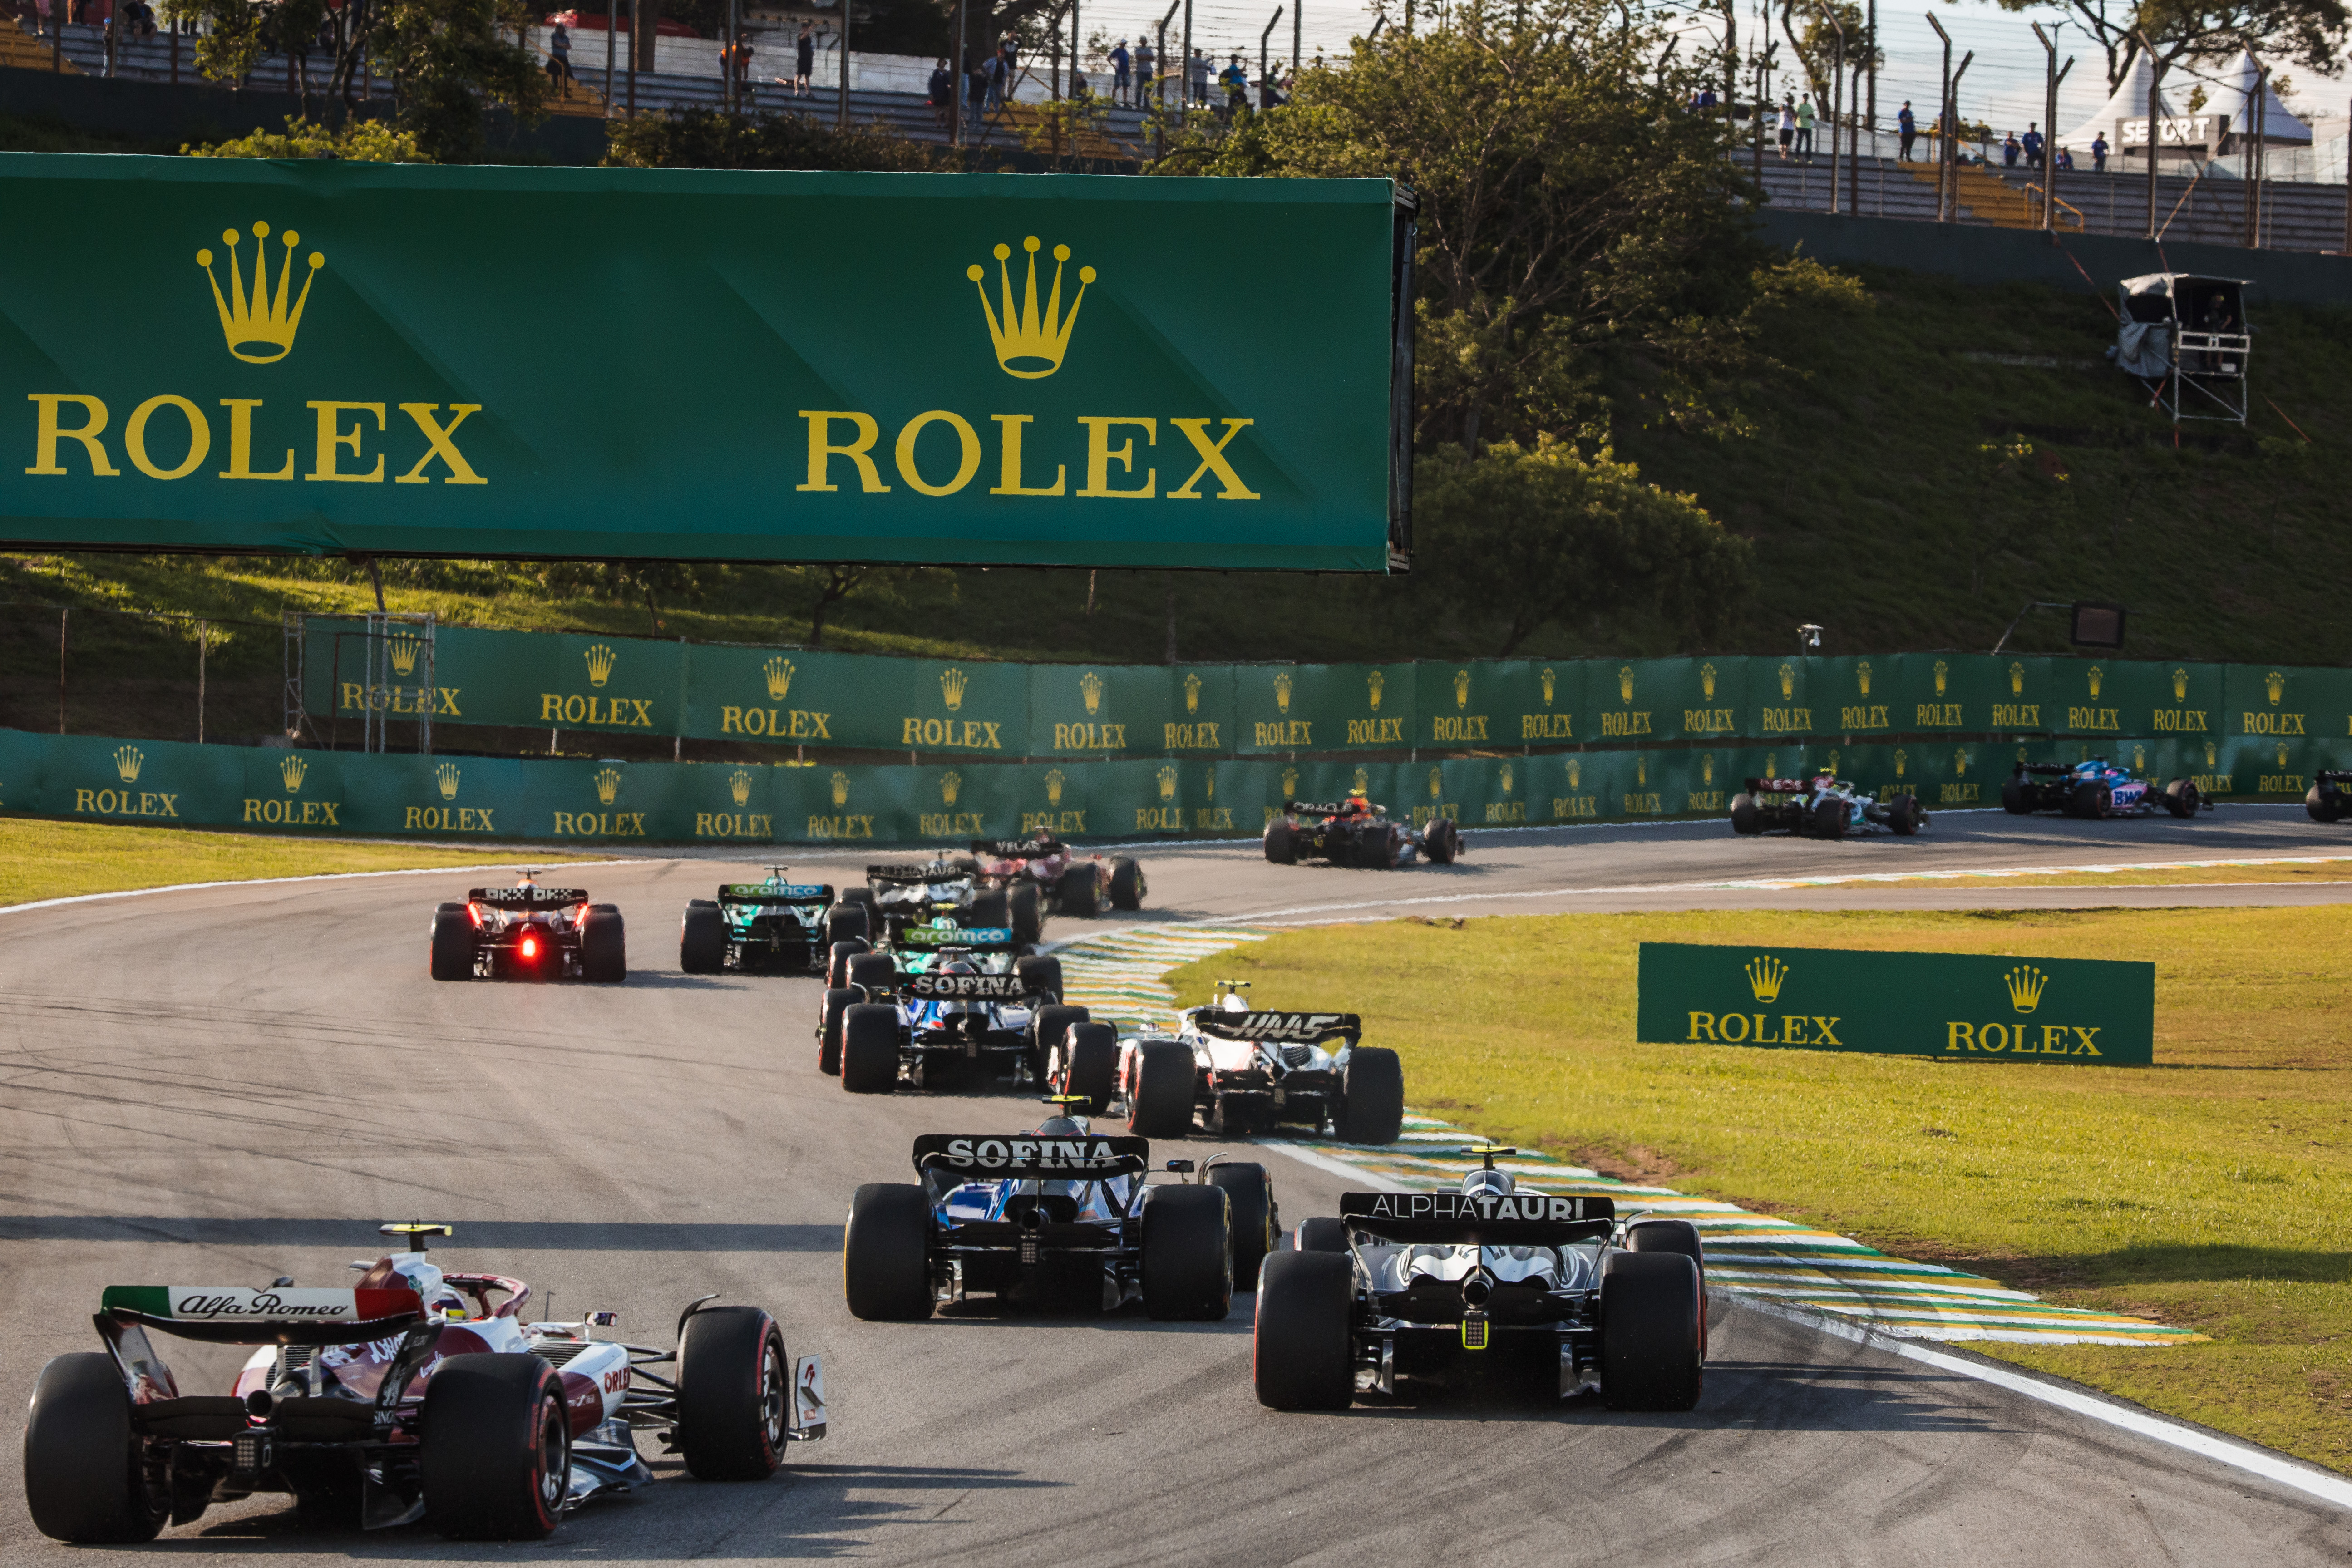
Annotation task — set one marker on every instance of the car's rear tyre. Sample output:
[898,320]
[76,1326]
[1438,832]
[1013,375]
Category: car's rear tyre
[1127,886]
[848,922]
[1027,913]
[1651,1333]
[886,1267]
[871,971]
[1441,842]
[734,1390]
[1041,975]
[863,898]
[1280,847]
[1677,1236]
[838,1000]
[1091,1064]
[1188,1254]
[1299,1354]
[84,1482]
[1047,1029]
[869,1048]
[1160,1096]
[1254,1220]
[1903,816]
[1371,1096]
[1746,816]
[989,911]
[604,945]
[837,957]
[497,1452]
[2016,796]
[1828,818]
[2090,800]
[702,937]
[453,942]
[1078,891]
[2182,798]
[1324,1233]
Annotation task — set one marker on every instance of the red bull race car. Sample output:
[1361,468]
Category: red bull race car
[1355,832]
[2095,788]
[529,933]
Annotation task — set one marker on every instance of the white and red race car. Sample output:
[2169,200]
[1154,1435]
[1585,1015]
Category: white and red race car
[1067,883]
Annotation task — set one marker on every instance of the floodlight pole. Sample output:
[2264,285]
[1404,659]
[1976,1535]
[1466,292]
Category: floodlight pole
[1943,116]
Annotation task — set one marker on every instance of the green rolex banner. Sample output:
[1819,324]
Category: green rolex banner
[1952,1006]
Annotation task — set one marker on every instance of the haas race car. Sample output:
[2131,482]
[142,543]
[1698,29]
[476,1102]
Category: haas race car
[2095,788]
[1066,884]
[1823,807]
[775,927]
[529,932]
[1552,1293]
[1060,1215]
[1355,832]
[412,1395]
[949,996]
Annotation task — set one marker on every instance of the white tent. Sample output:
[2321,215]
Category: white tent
[2129,101]
[2233,95]
[2229,90]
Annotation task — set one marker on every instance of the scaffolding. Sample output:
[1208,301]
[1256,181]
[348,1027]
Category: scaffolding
[2185,337]
[394,663]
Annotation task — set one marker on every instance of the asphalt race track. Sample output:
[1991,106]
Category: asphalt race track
[223,1085]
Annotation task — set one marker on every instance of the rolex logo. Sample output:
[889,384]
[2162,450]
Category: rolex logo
[404,651]
[780,677]
[1900,761]
[1705,770]
[1027,344]
[1210,781]
[2025,984]
[1766,974]
[2210,759]
[1462,688]
[841,789]
[2017,681]
[2180,684]
[2139,759]
[1374,681]
[445,778]
[1090,687]
[1862,674]
[1168,783]
[1576,772]
[950,785]
[1053,788]
[1505,774]
[1290,783]
[951,685]
[291,770]
[2282,756]
[608,784]
[739,785]
[1191,694]
[1706,681]
[2097,675]
[1361,781]
[259,328]
[1436,783]
[1548,678]
[1960,761]
[1282,690]
[1943,675]
[1788,682]
[1771,767]
[1641,773]
[2275,684]
[1833,762]
[128,761]
[1625,683]
[601,660]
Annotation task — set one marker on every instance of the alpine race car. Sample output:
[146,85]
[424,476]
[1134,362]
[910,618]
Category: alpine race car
[950,994]
[773,927]
[412,1395]
[2095,788]
[1823,807]
[1058,1215]
[899,896]
[529,932]
[1355,832]
[2328,800]
[1065,883]
[1554,1291]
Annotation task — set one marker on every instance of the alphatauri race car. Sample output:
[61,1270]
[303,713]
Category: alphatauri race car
[1554,1293]
[529,932]
[412,1395]
[775,927]
[1823,807]
[1355,832]
[950,995]
[923,894]
[1060,1215]
[2328,799]
[2095,788]
[1067,884]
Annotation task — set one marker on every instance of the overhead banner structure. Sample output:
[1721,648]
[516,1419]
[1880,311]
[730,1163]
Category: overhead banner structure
[748,365]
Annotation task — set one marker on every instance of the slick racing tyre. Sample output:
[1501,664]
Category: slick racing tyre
[83,1479]
[1746,816]
[1674,1236]
[1827,819]
[1188,1254]
[990,910]
[870,972]
[1903,816]
[848,922]
[734,1388]
[1025,914]
[1299,1354]
[1159,1097]
[2182,798]
[2090,800]
[604,945]
[1041,975]
[838,1001]
[1046,1032]
[1127,884]
[1324,1233]
[1078,893]
[2016,796]
[1371,1096]
[1090,1066]
[885,1269]
[1652,1334]
[1441,842]
[1280,847]
[453,943]
[702,937]
[869,1048]
[837,957]
[497,1453]
[1256,1221]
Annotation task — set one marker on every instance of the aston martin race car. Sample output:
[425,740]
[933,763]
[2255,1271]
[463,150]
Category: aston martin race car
[921,893]
[1060,1215]
[2095,788]
[950,995]
[2328,799]
[1355,832]
[412,1395]
[529,932]
[1067,883]
[1823,807]
[775,927]
[1554,1293]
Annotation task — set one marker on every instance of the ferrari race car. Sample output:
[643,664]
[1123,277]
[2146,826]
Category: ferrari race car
[1554,1292]
[1823,807]
[1069,885]
[897,896]
[413,1393]
[1058,1215]
[773,927]
[950,996]
[1355,832]
[2328,800]
[529,932]
[2095,788]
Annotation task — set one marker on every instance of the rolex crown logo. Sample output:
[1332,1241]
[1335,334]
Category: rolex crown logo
[2025,984]
[2097,675]
[608,784]
[1362,781]
[1862,674]
[128,761]
[739,785]
[1053,788]
[1289,784]
[291,770]
[1576,772]
[601,660]
[1209,780]
[1282,690]
[1625,683]
[1960,761]
[2210,759]
[1027,344]
[2282,756]
[1766,975]
[1705,770]
[1900,761]
[780,677]
[1090,687]
[2017,681]
[1833,762]
[1191,694]
[445,778]
[1943,675]
[1437,783]
[2139,759]
[1548,678]
[1505,774]
[1788,682]
[2275,684]
[950,785]
[1168,783]
[1462,688]
[840,789]
[951,685]
[259,327]
[404,651]
[2180,684]
[1374,681]
[1641,773]
[1706,681]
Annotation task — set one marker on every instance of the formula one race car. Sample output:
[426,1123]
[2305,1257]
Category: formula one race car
[1355,832]
[2095,788]
[529,932]
[950,994]
[773,927]
[411,1394]
[1069,885]
[1553,1292]
[897,896]
[1061,1214]
[2328,800]
[1823,807]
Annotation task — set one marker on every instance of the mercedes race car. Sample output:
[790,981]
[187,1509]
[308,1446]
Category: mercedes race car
[1058,1215]
[1066,884]
[529,932]
[1823,807]
[1355,832]
[775,927]
[950,995]
[412,1395]
[1554,1293]
[2095,788]
[2328,799]
[897,896]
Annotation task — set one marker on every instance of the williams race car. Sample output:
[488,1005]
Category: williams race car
[1823,807]
[2328,800]
[529,932]
[1355,832]
[775,927]
[950,996]
[1060,1214]
[1065,883]
[2095,788]
[1554,1292]
[411,1394]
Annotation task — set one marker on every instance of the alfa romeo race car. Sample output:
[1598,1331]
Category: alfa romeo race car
[2328,799]
[1823,807]
[1553,1292]
[1058,1215]
[773,927]
[950,995]
[2095,788]
[899,896]
[1066,884]
[529,932]
[412,1395]
[1355,832]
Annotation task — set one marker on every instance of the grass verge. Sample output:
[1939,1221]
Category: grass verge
[2213,1189]
[2199,874]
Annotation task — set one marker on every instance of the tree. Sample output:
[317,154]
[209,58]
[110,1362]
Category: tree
[2308,33]
[1817,49]
[354,141]
[707,139]
[451,60]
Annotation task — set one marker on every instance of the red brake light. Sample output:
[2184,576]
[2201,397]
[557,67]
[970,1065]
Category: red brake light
[531,947]
[474,912]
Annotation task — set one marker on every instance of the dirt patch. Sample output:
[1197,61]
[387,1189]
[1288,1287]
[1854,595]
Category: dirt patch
[1635,1163]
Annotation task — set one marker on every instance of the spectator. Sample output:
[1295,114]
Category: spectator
[1805,129]
[2033,145]
[1196,82]
[559,60]
[975,102]
[1000,85]
[942,94]
[1274,92]
[1787,127]
[1119,63]
[1236,82]
[2065,160]
[2009,151]
[1909,126]
[1146,62]
[2099,153]
[803,60]
[743,52]
[1704,101]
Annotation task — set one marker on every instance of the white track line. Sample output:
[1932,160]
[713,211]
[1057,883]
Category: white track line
[274,882]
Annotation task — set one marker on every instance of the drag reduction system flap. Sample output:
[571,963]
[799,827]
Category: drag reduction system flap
[914,871]
[934,987]
[235,1315]
[989,1156]
[1019,848]
[526,898]
[767,893]
[1289,1029]
[1514,1219]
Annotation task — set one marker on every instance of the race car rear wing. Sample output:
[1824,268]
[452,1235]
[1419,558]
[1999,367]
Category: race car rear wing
[1778,786]
[763,893]
[965,939]
[910,872]
[993,1157]
[934,987]
[1324,808]
[2332,776]
[1290,1028]
[2047,770]
[235,1315]
[1019,848]
[1522,1219]
[526,898]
